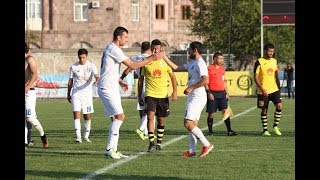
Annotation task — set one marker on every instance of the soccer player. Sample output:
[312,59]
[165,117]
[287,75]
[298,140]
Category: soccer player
[31,75]
[142,131]
[108,86]
[196,98]
[83,74]
[155,75]
[267,79]
[217,94]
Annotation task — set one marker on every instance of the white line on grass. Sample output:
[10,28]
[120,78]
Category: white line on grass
[122,161]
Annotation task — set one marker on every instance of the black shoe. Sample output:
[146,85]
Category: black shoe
[210,133]
[158,148]
[232,133]
[25,147]
[151,147]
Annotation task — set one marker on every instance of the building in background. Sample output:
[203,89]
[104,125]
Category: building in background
[68,24]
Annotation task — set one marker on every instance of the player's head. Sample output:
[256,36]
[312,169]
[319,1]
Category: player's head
[82,55]
[145,46]
[155,45]
[82,51]
[120,35]
[268,50]
[217,58]
[194,48]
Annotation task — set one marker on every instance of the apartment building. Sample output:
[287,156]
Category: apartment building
[69,24]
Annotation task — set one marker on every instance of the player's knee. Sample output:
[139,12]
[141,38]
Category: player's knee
[32,120]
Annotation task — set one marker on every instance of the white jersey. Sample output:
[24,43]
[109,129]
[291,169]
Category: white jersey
[83,77]
[196,69]
[110,63]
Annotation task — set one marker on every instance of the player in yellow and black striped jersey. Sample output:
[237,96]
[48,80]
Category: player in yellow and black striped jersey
[267,79]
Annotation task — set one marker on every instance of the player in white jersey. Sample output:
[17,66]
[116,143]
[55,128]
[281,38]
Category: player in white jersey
[108,85]
[83,74]
[196,98]
[31,75]
[142,131]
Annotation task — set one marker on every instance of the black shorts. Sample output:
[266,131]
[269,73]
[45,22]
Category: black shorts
[263,102]
[218,103]
[158,105]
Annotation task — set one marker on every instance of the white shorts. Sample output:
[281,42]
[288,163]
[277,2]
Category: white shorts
[30,99]
[195,105]
[82,102]
[111,102]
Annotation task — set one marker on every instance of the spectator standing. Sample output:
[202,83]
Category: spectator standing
[288,74]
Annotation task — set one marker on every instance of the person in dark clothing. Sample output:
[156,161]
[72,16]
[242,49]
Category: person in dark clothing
[288,74]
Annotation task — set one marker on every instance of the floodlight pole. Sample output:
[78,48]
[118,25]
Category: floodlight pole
[230,29]
[261,26]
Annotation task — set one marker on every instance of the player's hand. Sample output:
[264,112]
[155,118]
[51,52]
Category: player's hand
[123,85]
[174,96]
[227,96]
[210,96]
[69,98]
[158,55]
[187,90]
[141,102]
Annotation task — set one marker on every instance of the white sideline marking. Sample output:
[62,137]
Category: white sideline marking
[122,161]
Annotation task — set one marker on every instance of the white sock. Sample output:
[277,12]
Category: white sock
[116,125]
[143,124]
[35,123]
[87,128]
[192,142]
[198,133]
[109,145]
[77,127]
[114,134]
[25,133]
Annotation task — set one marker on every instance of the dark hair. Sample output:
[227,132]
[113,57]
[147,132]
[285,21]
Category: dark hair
[156,42]
[118,31]
[145,46]
[196,45]
[26,48]
[216,54]
[268,46]
[82,51]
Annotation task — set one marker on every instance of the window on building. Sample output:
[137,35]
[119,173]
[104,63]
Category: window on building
[160,11]
[135,11]
[80,10]
[33,9]
[186,12]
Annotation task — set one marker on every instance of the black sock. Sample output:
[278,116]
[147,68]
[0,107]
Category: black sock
[210,122]
[228,124]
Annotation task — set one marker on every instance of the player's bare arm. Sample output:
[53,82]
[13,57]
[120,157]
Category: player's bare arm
[174,86]
[137,64]
[204,81]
